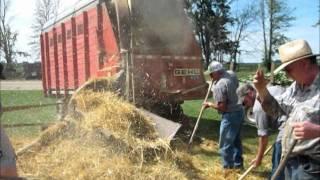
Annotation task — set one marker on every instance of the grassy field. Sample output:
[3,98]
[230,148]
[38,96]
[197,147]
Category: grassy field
[34,115]
[205,146]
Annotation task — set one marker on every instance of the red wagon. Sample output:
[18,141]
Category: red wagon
[151,41]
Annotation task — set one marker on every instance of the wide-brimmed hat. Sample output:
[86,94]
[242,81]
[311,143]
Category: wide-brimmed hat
[214,66]
[292,52]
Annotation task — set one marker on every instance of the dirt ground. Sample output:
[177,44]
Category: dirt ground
[20,85]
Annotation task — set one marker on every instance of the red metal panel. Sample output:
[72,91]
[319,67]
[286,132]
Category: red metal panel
[48,72]
[110,46]
[56,62]
[43,65]
[64,58]
[109,38]
[74,52]
[86,46]
[100,34]
[80,49]
[52,64]
[93,41]
[69,56]
[60,58]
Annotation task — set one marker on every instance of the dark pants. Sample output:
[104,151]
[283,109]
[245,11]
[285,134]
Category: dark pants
[302,167]
[276,158]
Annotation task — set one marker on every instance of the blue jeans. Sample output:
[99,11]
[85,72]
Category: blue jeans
[276,158]
[230,142]
[302,167]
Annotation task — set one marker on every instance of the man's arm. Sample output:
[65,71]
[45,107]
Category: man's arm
[220,106]
[263,142]
[269,104]
[260,83]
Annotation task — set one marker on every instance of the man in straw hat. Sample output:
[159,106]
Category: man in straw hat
[301,103]
[224,93]
[247,97]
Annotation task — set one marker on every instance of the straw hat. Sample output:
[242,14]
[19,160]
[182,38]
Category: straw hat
[292,52]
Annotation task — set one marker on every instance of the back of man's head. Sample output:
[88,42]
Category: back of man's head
[243,90]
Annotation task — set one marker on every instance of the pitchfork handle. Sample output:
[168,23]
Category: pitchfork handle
[252,166]
[200,114]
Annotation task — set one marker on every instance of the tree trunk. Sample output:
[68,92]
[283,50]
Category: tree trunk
[269,58]
[264,32]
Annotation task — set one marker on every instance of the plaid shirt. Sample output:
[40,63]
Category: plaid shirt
[299,104]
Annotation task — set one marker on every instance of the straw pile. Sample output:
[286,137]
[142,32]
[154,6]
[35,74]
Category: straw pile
[110,140]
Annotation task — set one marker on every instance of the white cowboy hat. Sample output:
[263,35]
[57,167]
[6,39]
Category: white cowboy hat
[292,52]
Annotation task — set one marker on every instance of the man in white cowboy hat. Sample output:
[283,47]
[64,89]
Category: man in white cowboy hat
[226,102]
[301,103]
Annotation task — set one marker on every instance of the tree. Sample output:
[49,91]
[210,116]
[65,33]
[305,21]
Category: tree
[8,37]
[45,11]
[211,18]
[243,18]
[275,18]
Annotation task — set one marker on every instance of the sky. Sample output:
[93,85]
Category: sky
[306,13]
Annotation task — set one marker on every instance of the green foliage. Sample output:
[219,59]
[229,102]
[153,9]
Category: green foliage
[280,79]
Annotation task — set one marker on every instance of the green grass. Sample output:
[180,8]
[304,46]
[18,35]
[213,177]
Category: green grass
[34,115]
[208,129]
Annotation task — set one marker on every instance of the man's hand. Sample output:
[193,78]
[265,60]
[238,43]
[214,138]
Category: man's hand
[305,130]
[260,83]
[207,104]
[256,162]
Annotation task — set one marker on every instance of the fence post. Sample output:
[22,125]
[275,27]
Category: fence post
[61,109]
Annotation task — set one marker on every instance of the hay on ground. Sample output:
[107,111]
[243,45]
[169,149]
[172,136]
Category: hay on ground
[111,141]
